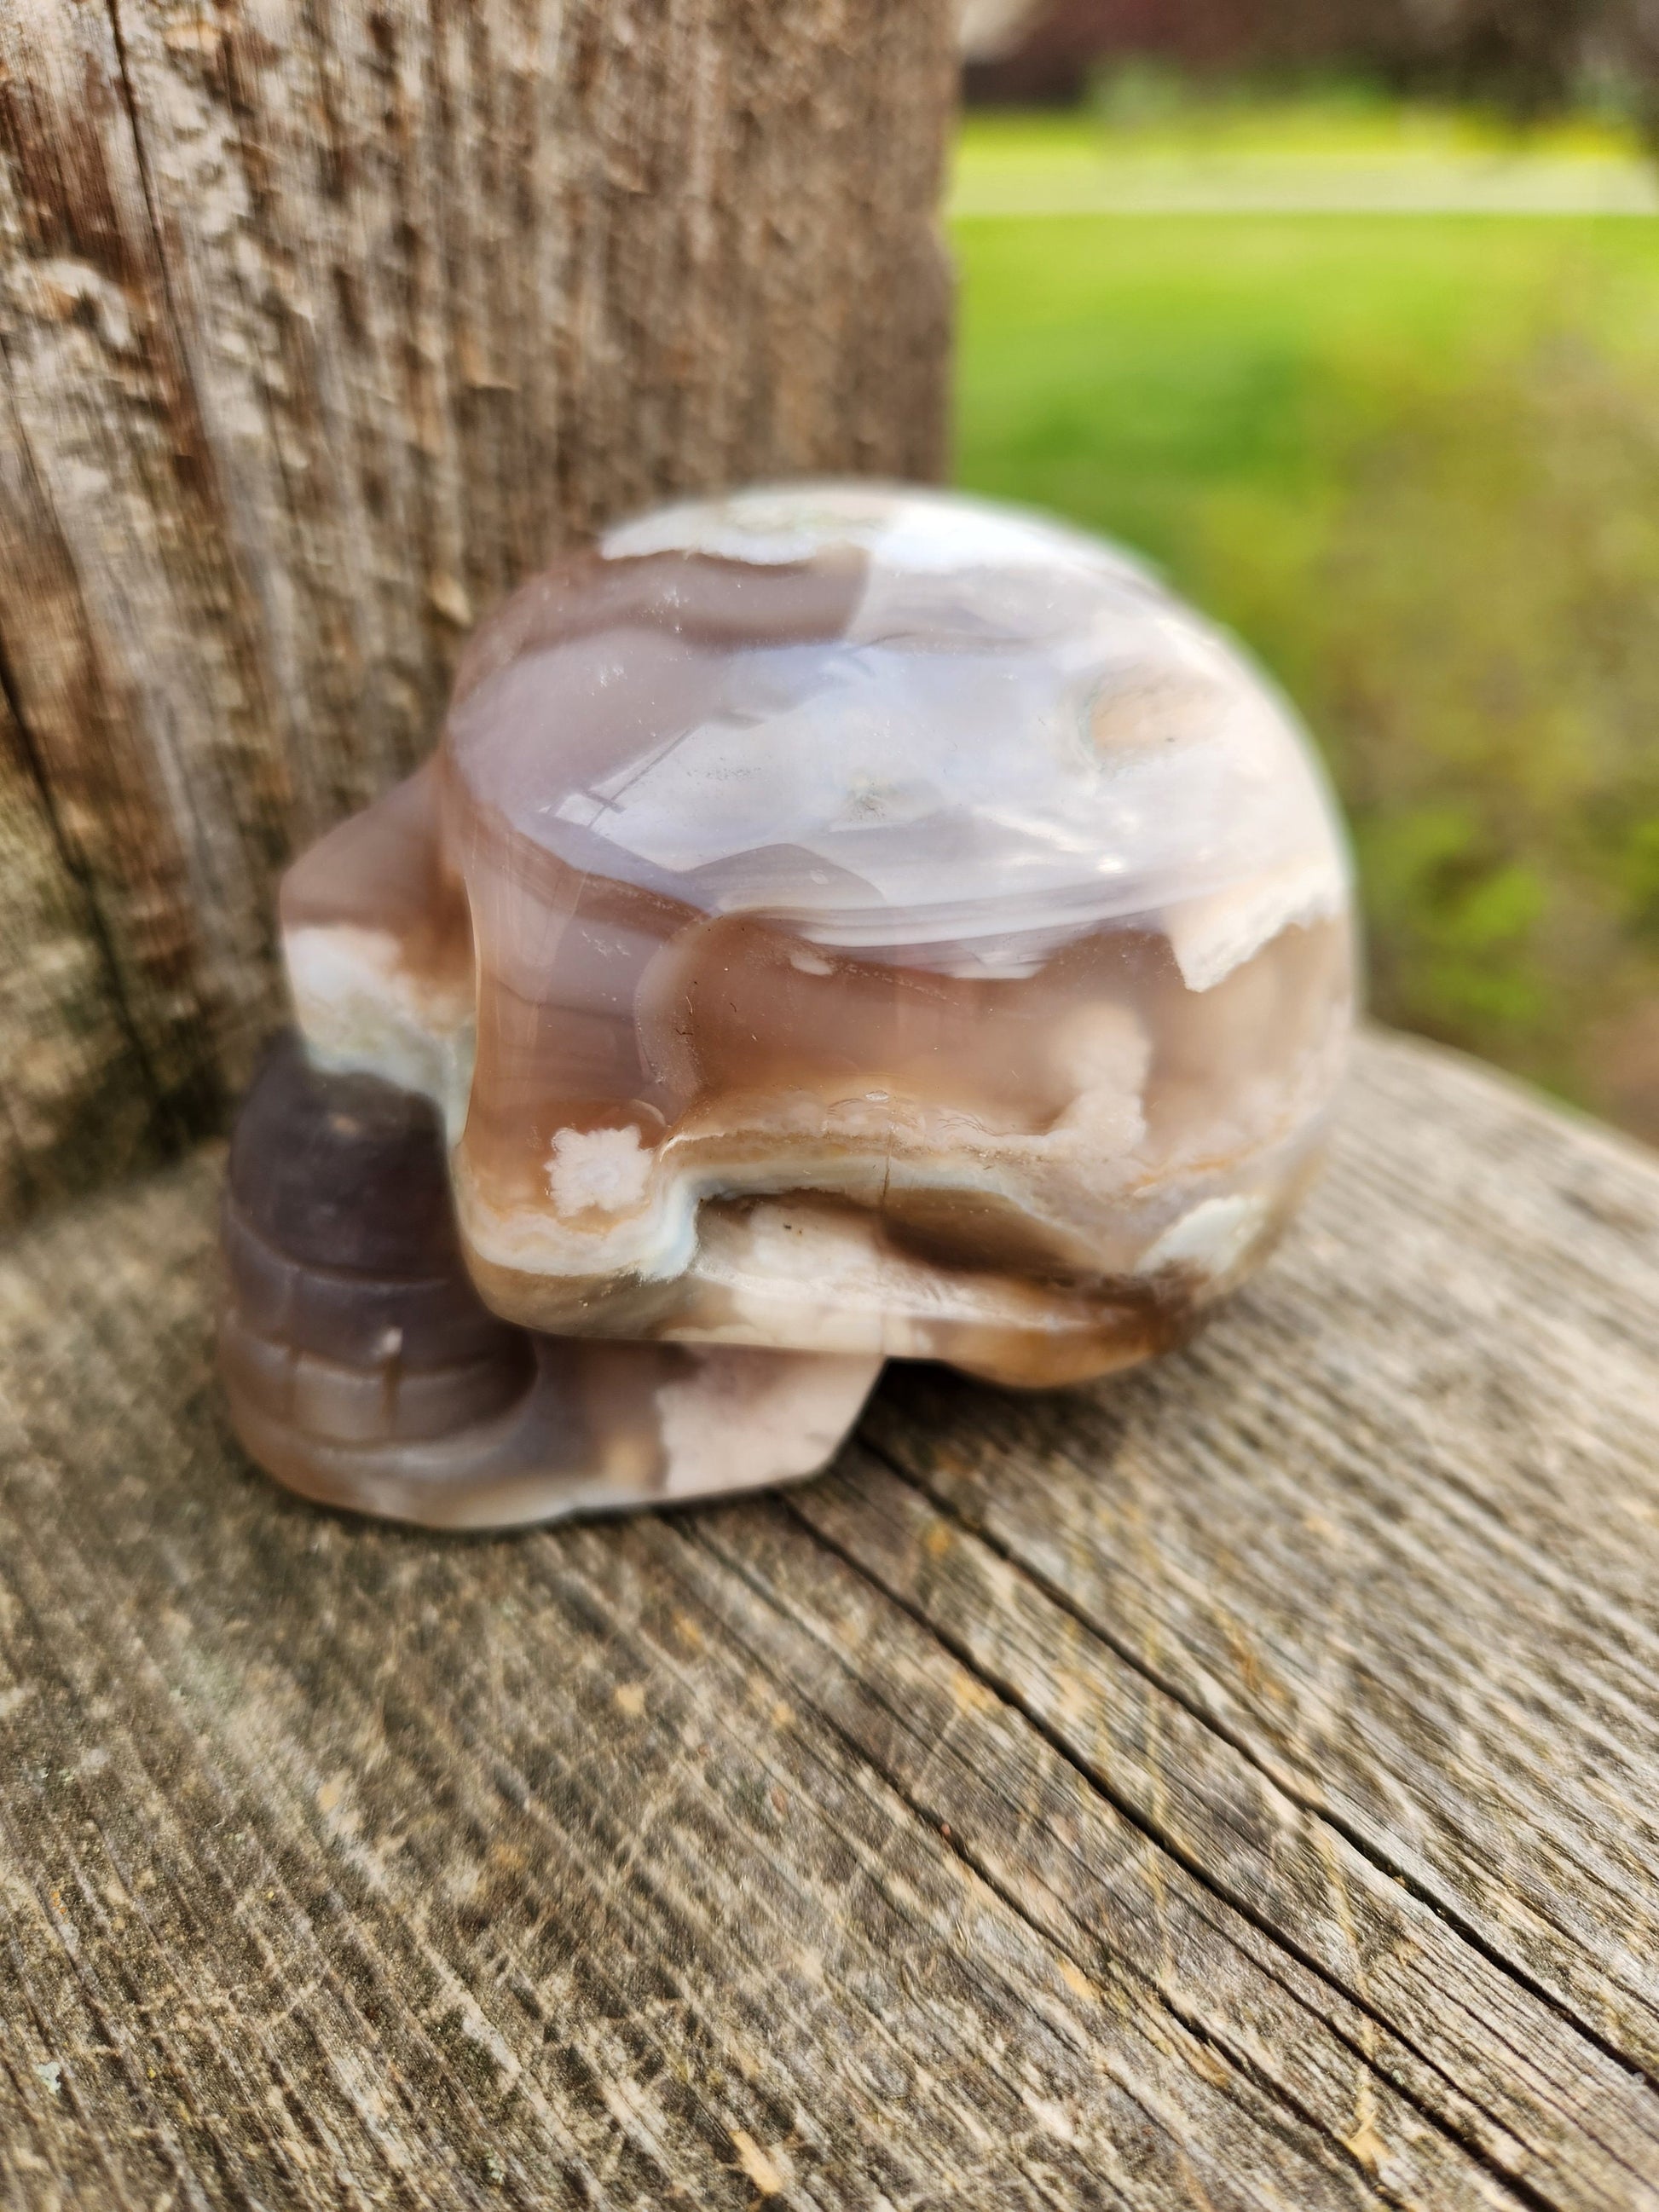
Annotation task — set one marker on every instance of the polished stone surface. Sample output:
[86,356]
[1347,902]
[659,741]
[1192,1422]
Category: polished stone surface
[850,920]
[363,1370]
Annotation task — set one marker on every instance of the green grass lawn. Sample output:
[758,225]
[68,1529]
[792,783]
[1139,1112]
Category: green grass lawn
[1126,368]
[1414,458]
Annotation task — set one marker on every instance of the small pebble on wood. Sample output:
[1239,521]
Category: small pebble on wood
[838,923]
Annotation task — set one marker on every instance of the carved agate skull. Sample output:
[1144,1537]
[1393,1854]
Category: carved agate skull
[838,923]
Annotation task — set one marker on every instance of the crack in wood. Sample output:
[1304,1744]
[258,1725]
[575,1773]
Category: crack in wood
[824,1837]
[1317,1808]
[73,866]
[1125,1808]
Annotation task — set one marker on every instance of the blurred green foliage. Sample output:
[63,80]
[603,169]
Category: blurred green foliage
[1414,462]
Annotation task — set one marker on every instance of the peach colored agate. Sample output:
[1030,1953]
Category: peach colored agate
[838,923]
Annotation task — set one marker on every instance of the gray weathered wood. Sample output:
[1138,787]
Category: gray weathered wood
[1234,1786]
[321,322]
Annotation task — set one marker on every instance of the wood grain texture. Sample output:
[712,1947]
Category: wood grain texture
[1230,1787]
[323,321]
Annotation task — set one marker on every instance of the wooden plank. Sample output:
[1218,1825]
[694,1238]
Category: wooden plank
[320,327]
[1230,1787]
[71,1113]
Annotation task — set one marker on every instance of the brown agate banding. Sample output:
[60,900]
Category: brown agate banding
[363,1370]
[851,919]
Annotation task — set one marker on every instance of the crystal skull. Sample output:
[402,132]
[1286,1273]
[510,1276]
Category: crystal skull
[853,922]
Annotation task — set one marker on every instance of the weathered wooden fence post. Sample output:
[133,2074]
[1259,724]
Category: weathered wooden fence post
[321,324]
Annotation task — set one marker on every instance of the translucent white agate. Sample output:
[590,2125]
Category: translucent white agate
[851,921]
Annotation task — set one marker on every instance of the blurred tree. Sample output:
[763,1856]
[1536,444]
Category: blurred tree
[322,327]
[1530,55]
